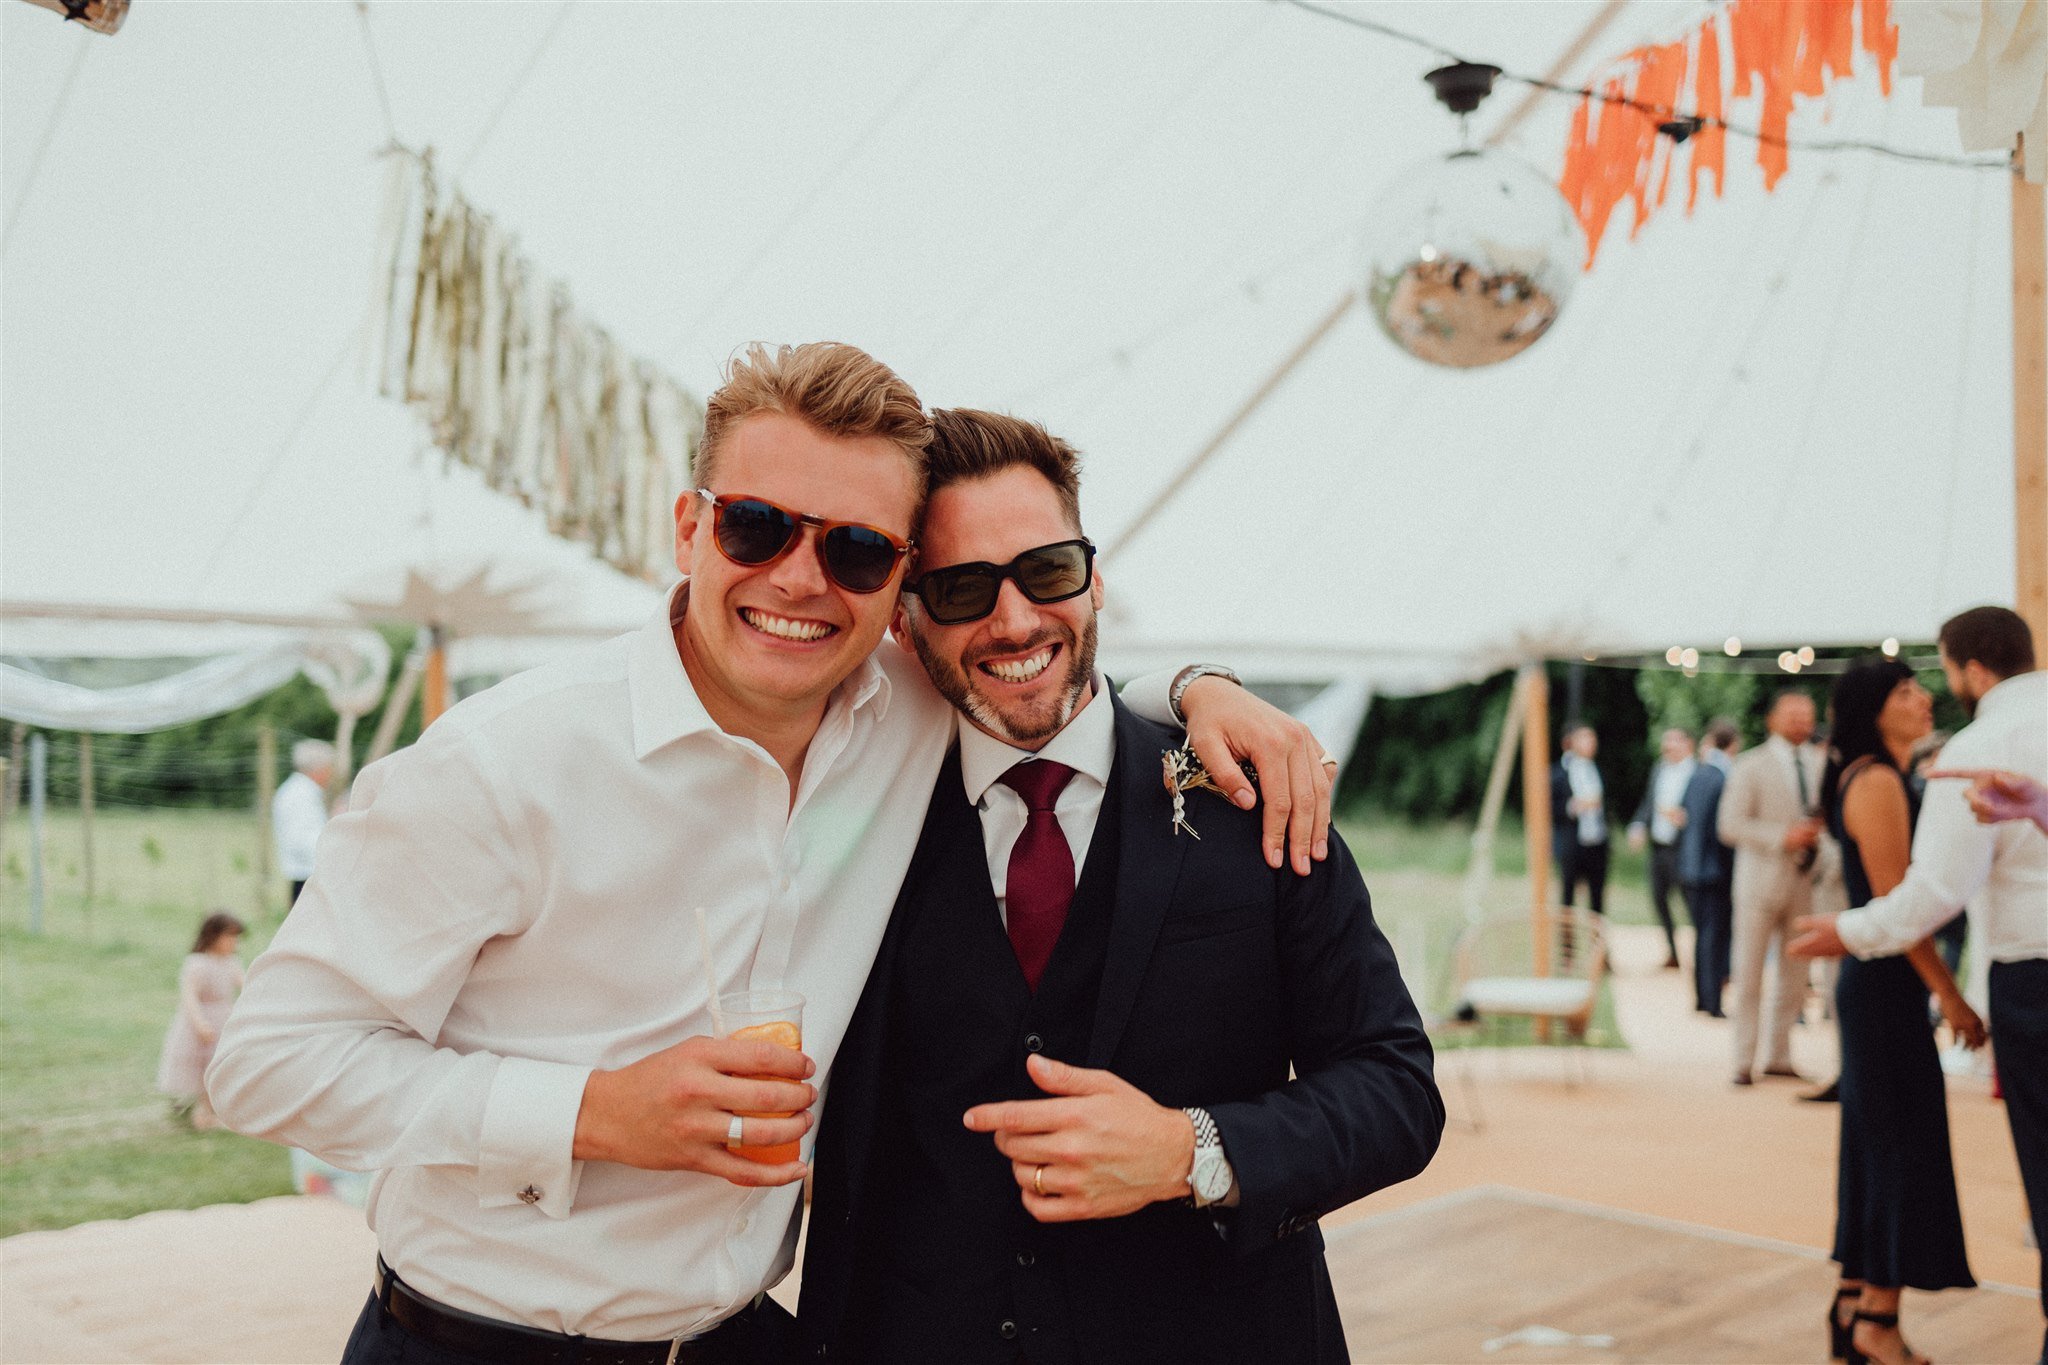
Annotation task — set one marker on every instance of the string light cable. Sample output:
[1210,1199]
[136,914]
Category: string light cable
[1674,123]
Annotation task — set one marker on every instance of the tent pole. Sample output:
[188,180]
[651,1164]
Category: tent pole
[1559,69]
[85,808]
[396,703]
[1302,350]
[434,700]
[1479,872]
[2029,401]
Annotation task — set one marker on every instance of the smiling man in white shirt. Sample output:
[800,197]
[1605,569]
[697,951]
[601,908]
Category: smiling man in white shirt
[2002,870]
[493,991]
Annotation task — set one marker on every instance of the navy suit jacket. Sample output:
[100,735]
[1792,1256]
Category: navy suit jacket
[1703,860]
[1221,977]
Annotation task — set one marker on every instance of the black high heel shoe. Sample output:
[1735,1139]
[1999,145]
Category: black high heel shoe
[1840,1334]
[1856,1357]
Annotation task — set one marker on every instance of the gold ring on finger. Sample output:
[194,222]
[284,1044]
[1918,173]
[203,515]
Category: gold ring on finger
[1038,1182]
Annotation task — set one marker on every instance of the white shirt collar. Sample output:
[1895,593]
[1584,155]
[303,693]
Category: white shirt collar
[1087,745]
[666,706]
[2017,692]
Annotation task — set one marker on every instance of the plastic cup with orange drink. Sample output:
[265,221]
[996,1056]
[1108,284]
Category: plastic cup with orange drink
[765,1017]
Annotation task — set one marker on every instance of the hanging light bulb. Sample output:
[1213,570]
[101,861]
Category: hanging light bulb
[1470,256]
[1891,648]
[1673,655]
[1732,647]
[1690,658]
[1805,655]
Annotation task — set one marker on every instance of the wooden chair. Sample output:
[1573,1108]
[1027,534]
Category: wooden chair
[1501,973]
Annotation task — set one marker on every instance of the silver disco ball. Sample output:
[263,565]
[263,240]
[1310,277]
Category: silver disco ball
[1470,258]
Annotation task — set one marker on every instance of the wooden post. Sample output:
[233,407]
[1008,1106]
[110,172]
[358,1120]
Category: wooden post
[38,800]
[1479,872]
[10,794]
[1536,818]
[434,698]
[85,806]
[2029,401]
[266,790]
[1536,805]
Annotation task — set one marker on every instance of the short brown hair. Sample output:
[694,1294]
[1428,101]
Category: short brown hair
[970,444]
[837,389]
[215,927]
[1721,734]
[1992,636]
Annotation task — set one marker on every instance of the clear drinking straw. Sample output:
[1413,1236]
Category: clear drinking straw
[710,973]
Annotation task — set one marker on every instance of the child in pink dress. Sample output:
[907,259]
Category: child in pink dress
[207,986]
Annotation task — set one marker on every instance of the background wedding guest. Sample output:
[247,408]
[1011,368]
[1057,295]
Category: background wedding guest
[1897,1220]
[208,983]
[1768,817]
[1706,866]
[1578,818]
[299,811]
[1987,655]
[1659,818]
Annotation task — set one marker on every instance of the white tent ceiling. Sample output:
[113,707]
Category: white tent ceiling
[1786,418]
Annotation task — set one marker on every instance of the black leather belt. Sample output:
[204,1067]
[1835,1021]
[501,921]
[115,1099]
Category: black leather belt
[512,1344]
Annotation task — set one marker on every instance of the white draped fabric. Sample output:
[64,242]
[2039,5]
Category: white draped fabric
[90,675]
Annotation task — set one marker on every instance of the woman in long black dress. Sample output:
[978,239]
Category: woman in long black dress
[1896,1218]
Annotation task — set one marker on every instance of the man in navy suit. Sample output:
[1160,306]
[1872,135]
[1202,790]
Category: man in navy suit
[1105,1076]
[1706,866]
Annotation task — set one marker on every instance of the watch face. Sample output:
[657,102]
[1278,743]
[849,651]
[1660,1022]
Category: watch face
[1212,1178]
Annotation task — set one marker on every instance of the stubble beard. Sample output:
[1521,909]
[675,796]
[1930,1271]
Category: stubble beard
[959,689]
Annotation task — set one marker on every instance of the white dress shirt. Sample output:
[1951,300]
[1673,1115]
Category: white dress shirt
[1667,792]
[2000,870]
[1803,765]
[298,812]
[1087,745]
[508,904]
[1582,775]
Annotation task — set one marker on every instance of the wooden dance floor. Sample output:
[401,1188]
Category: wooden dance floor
[1439,1280]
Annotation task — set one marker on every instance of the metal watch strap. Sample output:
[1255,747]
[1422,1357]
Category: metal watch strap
[1206,1136]
[1186,679]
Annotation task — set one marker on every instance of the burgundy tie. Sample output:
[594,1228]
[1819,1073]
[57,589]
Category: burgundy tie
[1041,884]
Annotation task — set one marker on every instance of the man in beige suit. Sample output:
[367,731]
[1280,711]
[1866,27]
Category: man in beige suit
[1767,817]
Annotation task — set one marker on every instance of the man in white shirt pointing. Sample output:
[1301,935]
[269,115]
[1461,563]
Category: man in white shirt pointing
[494,992]
[1988,655]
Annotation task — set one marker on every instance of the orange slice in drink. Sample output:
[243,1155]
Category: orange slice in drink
[778,1031]
[782,1033]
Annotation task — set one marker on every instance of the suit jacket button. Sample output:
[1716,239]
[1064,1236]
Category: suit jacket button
[1026,1259]
[1008,1331]
[1033,1043]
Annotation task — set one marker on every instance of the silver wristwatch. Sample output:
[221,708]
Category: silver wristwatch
[1186,677]
[1211,1178]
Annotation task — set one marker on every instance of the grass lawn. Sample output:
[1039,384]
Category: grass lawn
[84,1004]
[83,1009]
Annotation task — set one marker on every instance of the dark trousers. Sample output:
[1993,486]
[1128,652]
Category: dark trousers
[297,888]
[2019,1031]
[1576,863]
[1713,915]
[1663,881]
[379,1339]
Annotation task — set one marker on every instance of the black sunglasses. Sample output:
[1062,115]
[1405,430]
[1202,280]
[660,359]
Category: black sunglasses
[754,531]
[960,593]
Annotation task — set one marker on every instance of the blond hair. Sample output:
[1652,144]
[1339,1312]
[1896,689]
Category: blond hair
[838,390]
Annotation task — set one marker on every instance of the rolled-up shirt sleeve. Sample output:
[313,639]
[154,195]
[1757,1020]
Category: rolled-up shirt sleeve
[337,1044]
[1951,862]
